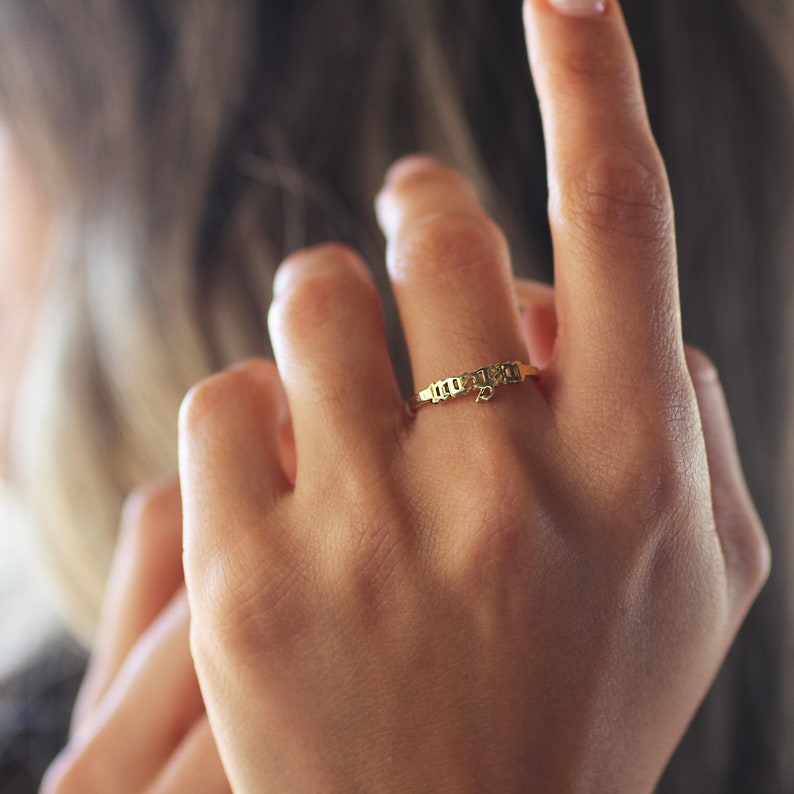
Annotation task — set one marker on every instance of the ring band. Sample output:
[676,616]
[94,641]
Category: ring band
[484,380]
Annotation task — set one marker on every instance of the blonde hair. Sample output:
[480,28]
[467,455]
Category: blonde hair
[190,144]
[129,325]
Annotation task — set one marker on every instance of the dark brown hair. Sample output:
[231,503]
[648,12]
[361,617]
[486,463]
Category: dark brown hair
[192,144]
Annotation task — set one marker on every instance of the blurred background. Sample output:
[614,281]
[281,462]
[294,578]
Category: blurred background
[26,616]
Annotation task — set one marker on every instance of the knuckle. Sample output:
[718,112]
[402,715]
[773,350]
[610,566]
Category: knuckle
[429,172]
[643,470]
[146,505]
[621,193]
[757,558]
[656,492]
[748,555]
[450,245]
[322,255]
[209,397]
[203,399]
[322,293]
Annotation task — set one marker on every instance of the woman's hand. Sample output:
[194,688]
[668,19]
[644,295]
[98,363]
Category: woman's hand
[139,724]
[531,594]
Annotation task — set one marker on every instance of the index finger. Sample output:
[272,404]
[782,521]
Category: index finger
[609,202]
[146,572]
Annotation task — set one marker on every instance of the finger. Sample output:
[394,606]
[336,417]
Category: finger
[450,270]
[146,572]
[289,455]
[327,333]
[538,315]
[744,543]
[609,202]
[194,767]
[230,428]
[149,707]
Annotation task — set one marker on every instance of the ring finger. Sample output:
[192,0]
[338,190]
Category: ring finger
[450,270]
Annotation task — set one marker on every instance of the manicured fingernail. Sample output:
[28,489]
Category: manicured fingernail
[579,8]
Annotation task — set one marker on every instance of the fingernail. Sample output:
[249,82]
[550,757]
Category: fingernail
[579,8]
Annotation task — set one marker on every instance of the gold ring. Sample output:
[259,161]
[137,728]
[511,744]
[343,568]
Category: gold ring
[484,380]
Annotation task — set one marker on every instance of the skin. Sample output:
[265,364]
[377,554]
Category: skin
[528,595]
[139,723]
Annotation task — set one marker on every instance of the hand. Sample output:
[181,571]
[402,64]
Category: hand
[528,595]
[139,723]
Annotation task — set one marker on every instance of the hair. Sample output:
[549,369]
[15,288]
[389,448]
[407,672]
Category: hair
[188,145]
